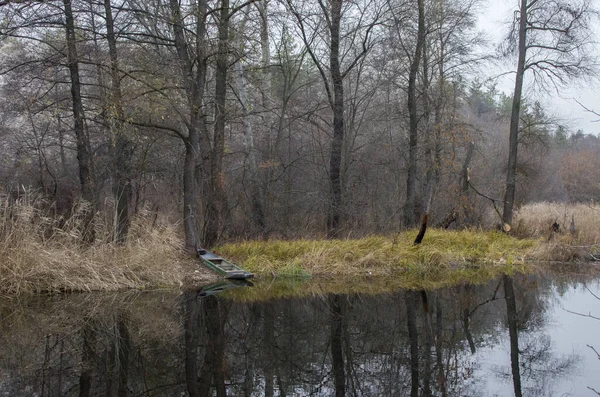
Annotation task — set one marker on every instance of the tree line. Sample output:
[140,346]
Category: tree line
[288,118]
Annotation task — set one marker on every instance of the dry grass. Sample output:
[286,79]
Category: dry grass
[535,221]
[41,253]
[44,253]
[444,255]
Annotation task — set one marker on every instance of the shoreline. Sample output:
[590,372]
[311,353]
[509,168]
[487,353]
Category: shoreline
[444,258]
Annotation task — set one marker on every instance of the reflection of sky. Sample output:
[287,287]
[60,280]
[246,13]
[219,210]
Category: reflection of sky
[568,333]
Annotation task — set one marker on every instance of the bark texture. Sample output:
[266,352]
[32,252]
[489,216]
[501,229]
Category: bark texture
[513,143]
[193,71]
[122,147]
[216,205]
[411,177]
[335,160]
[84,157]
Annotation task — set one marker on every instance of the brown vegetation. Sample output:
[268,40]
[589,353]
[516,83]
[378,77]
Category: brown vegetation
[578,235]
[43,253]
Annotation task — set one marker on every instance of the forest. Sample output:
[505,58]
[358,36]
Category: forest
[263,119]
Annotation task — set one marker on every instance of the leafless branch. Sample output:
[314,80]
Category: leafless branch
[592,389]
[493,200]
[582,315]
[595,351]
[588,110]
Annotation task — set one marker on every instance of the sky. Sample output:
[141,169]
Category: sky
[562,105]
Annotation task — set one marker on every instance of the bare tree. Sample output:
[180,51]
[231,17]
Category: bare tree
[122,146]
[552,40]
[358,45]
[411,177]
[193,71]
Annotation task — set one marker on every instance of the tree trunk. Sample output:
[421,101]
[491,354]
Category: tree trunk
[411,177]
[194,86]
[430,152]
[265,51]
[189,191]
[511,174]
[216,201]
[268,197]
[256,202]
[122,145]
[465,199]
[335,161]
[84,158]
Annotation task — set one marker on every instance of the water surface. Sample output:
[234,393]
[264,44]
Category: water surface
[521,335]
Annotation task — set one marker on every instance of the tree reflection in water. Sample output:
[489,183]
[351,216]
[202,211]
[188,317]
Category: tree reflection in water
[531,357]
[511,314]
[407,343]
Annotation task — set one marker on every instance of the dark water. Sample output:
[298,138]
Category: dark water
[525,335]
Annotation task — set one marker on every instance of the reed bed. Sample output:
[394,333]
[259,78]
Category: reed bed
[577,239]
[42,252]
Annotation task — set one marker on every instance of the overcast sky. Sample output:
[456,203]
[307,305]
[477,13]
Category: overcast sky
[563,105]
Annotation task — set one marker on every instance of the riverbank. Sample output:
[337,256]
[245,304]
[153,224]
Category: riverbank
[47,254]
[152,263]
[154,258]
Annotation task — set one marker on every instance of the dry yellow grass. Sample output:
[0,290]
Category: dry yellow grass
[39,253]
[43,253]
[535,221]
[445,257]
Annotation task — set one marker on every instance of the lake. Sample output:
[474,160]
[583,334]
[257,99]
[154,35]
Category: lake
[521,335]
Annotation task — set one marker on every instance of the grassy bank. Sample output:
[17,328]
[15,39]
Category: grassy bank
[44,253]
[445,256]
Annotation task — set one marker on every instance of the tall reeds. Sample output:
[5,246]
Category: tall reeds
[577,236]
[41,251]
